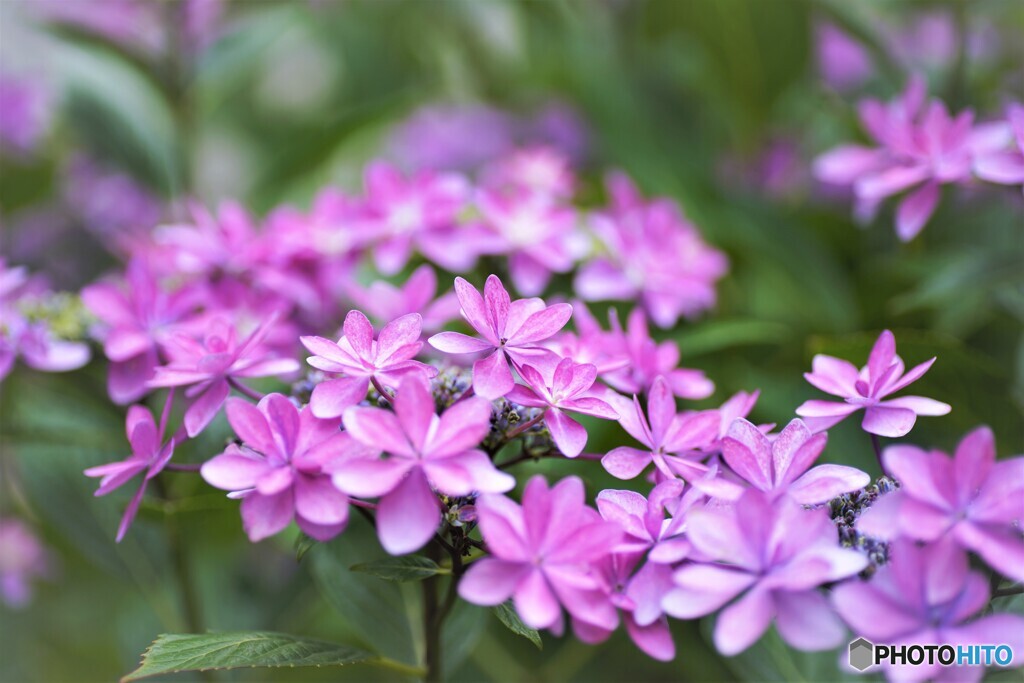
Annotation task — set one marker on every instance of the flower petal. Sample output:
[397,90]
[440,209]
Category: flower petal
[408,516]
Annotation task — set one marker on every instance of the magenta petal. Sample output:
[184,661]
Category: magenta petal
[275,480]
[251,427]
[741,624]
[701,589]
[807,622]
[541,325]
[501,524]
[568,435]
[359,333]
[490,581]
[824,482]
[233,471]
[408,516]
[369,477]
[915,210]
[205,407]
[264,516]
[860,604]
[454,342]
[473,308]
[378,428]
[1002,548]
[462,427]
[625,462]
[654,640]
[891,422]
[492,377]
[749,453]
[317,500]
[536,604]
[330,398]
[124,343]
[130,512]
[918,404]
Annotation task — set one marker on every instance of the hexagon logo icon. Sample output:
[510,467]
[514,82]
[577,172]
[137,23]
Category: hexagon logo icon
[861,654]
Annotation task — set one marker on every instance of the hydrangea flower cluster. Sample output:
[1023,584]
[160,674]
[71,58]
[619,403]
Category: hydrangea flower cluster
[424,406]
[919,147]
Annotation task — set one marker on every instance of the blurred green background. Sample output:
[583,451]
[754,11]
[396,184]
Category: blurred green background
[718,103]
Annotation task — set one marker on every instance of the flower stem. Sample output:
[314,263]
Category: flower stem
[1006,592]
[248,392]
[431,625]
[876,443]
[385,394]
[183,467]
[525,426]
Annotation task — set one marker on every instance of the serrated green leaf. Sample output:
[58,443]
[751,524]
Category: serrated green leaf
[400,569]
[508,616]
[174,652]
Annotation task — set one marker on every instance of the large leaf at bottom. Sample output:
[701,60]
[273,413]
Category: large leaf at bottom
[174,652]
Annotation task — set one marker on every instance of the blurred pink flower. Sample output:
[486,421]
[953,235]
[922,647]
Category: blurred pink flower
[772,557]
[23,559]
[384,301]
[971,497]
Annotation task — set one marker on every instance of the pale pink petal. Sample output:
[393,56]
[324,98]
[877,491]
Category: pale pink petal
[918,404]
[748,452]
[661,409]
[535,602]
[871,613]
[283,421]
[701,589]
[251,427]
[890,181]
[625,462]
[264,516]
[454,342]
[330,351]
[600,280]
[1002,548]
[925,475]
[332,397]
[408,516]
[891,422]
[462,427]
[275,480]
[973,460]
[490,581]
[368,477]
[205,407]
[492,377]
[397,339]
[833,375]
[909,378]
[1005,168]
[379,428]
[824,482]
[414,406]
[359,333]
[568,435]
[914,211]
[497,303]
[654,640]
[233,471]
[741,624]
[474,310]
[807,622]
[541,325]
[124,343]
[317,500]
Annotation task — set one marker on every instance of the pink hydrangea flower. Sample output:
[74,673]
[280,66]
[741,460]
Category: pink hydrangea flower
[772,557]
[926,595]
[538,236]
[209,367]
[425,452]
[589,344]
[971,497]
[511,331]
[781,466]
[419,211]
[23,559]
[651,253]
[543,171]
[668,436]
[920,147]
[149,454]
[1005,166]
[279,470]
[865,389]
[136,318]
[384,301]
[649,359]
[362,359]
[843,62]
[541,554]
[568,389]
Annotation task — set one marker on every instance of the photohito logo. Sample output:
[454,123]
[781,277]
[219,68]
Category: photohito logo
[864,654]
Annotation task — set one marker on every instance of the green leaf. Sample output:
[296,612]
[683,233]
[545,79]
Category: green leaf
[303,544]
[174,652]
[400,569]
[717,335]
[510,618]
[380,614]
